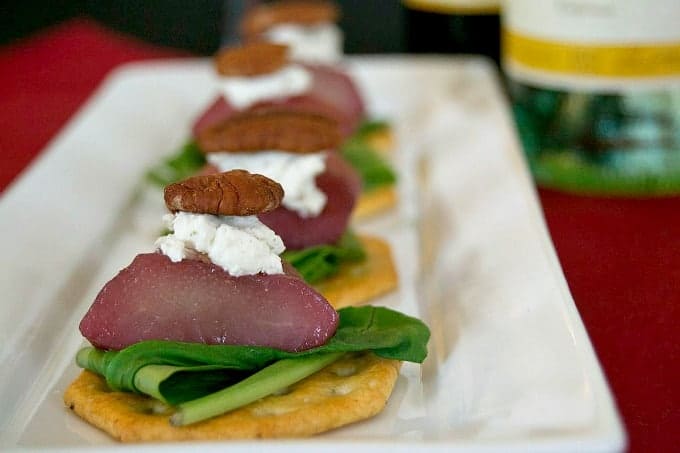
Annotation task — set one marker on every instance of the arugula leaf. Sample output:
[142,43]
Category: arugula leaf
[184,163]
[321,261]
[175,372]
[374,170]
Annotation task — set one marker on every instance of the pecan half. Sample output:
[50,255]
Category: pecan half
[271,129]
[304,12]
[235,192]
[252,59]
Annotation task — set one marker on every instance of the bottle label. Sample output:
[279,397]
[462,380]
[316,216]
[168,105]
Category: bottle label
[592,44]
[464,7]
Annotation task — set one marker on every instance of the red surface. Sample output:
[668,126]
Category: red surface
[621,257]
[44,79]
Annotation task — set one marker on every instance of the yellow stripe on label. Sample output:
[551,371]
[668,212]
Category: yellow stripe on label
[635,60]
[452,7]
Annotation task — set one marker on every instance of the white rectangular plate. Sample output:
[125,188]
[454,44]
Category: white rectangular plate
[510,364]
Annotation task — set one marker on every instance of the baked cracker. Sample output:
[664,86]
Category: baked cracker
[384,198]
[353,388]
[359,282]
[375,202]
[381,141]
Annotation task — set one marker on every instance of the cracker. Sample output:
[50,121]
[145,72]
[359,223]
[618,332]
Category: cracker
[359,282]
[383,198]
[381,140]
[375,202]
[353,388]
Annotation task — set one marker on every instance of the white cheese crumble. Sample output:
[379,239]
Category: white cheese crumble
[295,172]
[242,92]
[320,43]
[239,245]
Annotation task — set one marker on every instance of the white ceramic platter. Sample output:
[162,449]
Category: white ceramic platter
[510,364]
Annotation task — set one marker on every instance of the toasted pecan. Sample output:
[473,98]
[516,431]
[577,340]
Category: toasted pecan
[235,192]
[304,12]
[271,129]
[252,59]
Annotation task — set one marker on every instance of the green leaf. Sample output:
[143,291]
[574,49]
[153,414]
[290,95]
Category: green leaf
[351,246]
[372,168]
[368,127]
[321,261]
[120,367]
[175,372]
[184,163]
[175,385]
[263,383]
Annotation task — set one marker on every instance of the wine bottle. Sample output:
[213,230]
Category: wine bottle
[595,86]
[453,26]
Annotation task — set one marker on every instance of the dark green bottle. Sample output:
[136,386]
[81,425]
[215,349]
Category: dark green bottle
[595,86]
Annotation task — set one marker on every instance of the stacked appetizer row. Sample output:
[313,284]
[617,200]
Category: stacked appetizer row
[243,323]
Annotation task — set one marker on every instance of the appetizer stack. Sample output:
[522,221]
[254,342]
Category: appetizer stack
[261,76]
[321,191]
[242,323]
[307,27]
[214,336]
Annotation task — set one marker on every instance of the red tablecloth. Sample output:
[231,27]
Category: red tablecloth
[621,257]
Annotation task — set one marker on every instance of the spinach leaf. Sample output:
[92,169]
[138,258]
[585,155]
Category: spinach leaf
[184,163]
[375,172]
[273,378]
[370,126]
[321,261]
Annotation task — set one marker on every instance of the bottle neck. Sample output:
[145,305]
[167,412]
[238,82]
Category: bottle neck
[456,7]
[435,29]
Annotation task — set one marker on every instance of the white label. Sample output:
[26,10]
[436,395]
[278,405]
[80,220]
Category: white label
[592,43]
[595,21]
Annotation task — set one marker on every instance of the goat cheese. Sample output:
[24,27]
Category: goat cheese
[239,245]
[314,43]
[242,92]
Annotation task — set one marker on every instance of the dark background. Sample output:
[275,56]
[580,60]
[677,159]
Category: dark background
[197,25]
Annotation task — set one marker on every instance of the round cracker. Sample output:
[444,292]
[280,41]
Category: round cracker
[382,141]
[359,282]
[374,202]
[353,388]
